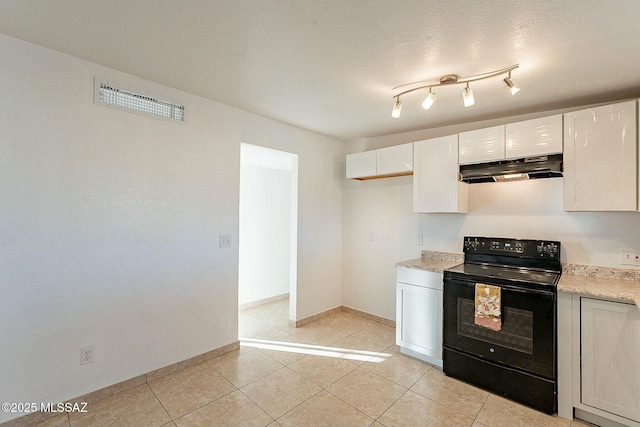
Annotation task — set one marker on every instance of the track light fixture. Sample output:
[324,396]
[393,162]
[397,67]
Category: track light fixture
[453,79]
[510,85]
[429,100]
[467,96]
[397,108]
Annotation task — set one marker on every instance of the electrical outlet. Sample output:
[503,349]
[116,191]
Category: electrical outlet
[630,257]
[225,240]
[86,354]
[419,240]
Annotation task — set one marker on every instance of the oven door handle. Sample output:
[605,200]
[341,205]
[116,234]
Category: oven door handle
[520,290]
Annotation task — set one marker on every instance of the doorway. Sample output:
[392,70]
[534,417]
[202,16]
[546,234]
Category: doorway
[268,227]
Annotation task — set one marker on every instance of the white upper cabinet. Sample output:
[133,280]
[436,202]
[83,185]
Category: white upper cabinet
[600,159]
[535,137]
[482,145]
[391,161]
[436,187]
[395,160]
[361,165]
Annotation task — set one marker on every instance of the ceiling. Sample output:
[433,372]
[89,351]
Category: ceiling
[330,66]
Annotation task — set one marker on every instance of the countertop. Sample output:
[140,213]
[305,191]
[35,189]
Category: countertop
[600,282]
[436,262]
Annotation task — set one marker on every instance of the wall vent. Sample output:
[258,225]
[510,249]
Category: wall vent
[110,94]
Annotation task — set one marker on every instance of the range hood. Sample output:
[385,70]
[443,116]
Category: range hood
[549,166]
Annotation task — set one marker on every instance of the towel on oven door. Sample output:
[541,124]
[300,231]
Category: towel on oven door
[487,307]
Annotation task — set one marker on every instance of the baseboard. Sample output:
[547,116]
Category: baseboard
[342,308]
[38,417]
[314,318]
[597,420]
[373,317]
[262,301]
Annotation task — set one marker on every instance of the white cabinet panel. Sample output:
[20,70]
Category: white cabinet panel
[419,313]
[391,161]
[436,187]
[600,156]
[610,349]
[535,137]
[395,160]
[482,145]
[361,164]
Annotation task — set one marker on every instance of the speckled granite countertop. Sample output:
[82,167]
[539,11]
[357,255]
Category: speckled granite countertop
[601,282]
[433,261]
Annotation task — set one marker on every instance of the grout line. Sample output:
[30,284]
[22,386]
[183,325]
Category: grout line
[161,404]
[357,409]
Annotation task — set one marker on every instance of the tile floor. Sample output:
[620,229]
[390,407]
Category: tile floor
[343,370]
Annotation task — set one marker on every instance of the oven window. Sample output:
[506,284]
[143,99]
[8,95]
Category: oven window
[516,333]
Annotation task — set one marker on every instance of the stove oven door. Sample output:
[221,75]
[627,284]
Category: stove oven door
[526,341]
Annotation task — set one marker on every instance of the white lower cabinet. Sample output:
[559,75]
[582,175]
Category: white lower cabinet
[610,351]
[419,314]
[598,360]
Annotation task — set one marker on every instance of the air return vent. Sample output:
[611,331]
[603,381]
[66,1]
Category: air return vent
[110,94]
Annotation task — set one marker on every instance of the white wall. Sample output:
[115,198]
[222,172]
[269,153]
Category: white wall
[109,226]
[525,209]
[265,233]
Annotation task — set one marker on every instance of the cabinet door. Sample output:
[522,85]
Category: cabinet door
[534,137]
[482,145]
[610,336]
[396,160]
[600,155]
[361,165]
[419,319]
[436,187]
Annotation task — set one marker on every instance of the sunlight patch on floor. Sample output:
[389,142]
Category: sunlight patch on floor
[316,350]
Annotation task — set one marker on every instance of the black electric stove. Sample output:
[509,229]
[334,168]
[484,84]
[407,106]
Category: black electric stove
[518,361]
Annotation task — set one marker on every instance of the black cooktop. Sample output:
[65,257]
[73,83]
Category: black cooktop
[483,272]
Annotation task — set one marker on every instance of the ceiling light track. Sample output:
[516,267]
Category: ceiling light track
[450,80]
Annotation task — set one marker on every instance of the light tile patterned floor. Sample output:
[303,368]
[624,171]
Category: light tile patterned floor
[343,370]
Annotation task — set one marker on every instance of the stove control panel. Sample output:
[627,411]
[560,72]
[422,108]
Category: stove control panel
[522,248]
[548,249]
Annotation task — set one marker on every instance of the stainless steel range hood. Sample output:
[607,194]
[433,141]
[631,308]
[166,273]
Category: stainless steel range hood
[549,166]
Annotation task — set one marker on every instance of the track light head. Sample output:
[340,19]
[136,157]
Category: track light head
[429,100]
[397,108]
[467,96]
[510,85]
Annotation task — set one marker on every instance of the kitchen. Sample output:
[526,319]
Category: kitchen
[524,195]
[353,233]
